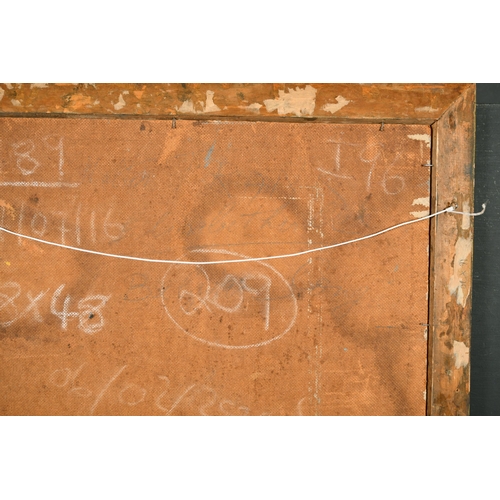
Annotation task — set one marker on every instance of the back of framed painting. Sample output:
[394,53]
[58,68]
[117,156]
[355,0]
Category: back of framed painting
[336,332]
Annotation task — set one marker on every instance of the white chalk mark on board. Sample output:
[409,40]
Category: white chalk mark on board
[337,165]
[113,230]
[210,403]
[370,154]
[93,233]
[133,389]
[64,314]
[105,388]
[251,287]
[27,164]
[40,184]
[20,224]
[7,301]
[69,376]
[78,230]
[59,147]
[6,207]
[180,398]
[36,228]
[90,308]
[22,150]
[33,306]
[37,356]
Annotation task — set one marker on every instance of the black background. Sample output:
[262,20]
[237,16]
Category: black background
[485,341]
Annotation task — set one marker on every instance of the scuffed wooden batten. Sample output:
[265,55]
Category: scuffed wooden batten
[405,103]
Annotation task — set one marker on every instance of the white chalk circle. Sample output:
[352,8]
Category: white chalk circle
[233,306]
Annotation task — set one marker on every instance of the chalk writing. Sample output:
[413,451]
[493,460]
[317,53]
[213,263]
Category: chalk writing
[72,228]
[88,309]
[198,299]
[374,156]
[89,314]
[194,398]
[24,157]
[66,377]
[132,395]
[7,302]
[27,159]
[105,388]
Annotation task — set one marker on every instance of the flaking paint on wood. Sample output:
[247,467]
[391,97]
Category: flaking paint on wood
[452,105]
[451,259]
[416,103]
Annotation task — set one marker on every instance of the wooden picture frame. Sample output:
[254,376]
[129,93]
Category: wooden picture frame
[448,108]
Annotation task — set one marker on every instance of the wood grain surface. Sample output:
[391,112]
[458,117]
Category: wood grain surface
[405,103]
[451,260]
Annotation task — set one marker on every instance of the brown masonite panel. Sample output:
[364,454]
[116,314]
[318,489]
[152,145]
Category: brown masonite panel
[336,332]
[406,103]
[451,259]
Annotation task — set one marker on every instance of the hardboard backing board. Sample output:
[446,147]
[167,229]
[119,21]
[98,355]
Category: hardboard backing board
[337,332]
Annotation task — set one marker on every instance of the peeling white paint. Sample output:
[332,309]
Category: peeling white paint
[425,395]
[187,107]
[15,102]
[9,86]
[421,137]
[298,102]
[426,109]
[120,104]
[461,353]
[425,201]
[2,92]
[39,85]
[420,214]
[255,107]
[459,279]
[333,108]
[210,106]
[206,107]
[465,218]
